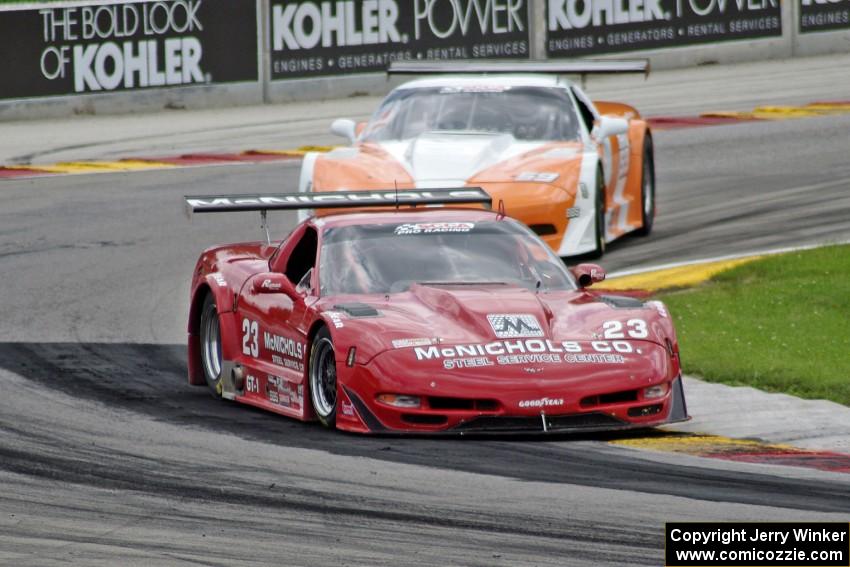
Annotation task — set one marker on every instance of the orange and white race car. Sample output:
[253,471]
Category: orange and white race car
[577,172]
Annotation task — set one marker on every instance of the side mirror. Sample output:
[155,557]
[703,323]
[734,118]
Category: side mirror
[610,126]
[273,283]
[345,128]
[588,274]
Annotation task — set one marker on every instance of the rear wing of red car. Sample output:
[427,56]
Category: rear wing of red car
[581,67]
[336,200]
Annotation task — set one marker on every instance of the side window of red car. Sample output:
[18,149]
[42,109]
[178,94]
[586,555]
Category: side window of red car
[303,256]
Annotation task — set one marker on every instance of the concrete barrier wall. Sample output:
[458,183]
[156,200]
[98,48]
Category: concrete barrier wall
[269,51]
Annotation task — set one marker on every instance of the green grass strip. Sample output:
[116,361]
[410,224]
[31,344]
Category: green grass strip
[779,324]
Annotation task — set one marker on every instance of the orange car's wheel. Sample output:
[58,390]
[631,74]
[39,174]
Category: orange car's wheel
[647,188]
[599,212]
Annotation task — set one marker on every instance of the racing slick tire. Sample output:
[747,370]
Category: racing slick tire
[323,384]
[210,341]
[647,189]
[599,212]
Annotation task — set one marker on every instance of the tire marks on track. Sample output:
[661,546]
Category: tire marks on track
[150,379]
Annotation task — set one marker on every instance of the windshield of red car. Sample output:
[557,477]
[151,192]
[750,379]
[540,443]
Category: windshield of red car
[527,113]
[389,258]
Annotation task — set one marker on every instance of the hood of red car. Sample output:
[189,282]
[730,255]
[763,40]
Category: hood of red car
[442,320]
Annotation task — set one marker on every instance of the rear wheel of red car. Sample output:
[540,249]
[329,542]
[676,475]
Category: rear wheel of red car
[599,212]
[647,189]
[210,339]
[323,384]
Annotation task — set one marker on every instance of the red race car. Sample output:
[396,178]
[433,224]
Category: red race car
[431,319]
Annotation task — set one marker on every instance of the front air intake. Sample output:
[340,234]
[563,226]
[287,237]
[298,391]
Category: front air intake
[544,229]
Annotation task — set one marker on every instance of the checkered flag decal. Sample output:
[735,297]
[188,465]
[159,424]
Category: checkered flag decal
[509,326]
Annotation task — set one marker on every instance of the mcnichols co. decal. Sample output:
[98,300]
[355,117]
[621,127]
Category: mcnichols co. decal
[129,45]
[582,27]
[824,15]
[328,37]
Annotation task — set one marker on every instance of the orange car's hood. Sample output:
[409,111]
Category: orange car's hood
[448,159]
[553,163]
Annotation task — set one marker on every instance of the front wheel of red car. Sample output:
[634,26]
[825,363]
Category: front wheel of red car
[210,338]
[323,384]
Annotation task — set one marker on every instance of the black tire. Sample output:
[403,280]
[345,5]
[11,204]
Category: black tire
[324,389]
[647,189]
[209,333]
[599,212]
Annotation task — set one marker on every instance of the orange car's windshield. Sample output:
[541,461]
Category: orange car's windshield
[389,258]
[526,113]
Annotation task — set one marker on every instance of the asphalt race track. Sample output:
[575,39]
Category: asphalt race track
[108,457]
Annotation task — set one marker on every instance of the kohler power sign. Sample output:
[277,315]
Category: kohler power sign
[311,38]
[824,15]
[128,45]
[581,27]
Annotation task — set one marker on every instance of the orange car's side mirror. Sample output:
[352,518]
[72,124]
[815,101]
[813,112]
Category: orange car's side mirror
[344,128]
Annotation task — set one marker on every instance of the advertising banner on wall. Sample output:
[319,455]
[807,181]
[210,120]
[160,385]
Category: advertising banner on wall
[824,15]
[586,27]
[312,38]
[126,45]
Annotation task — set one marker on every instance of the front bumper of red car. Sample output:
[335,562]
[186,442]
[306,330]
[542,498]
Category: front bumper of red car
[586,399]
